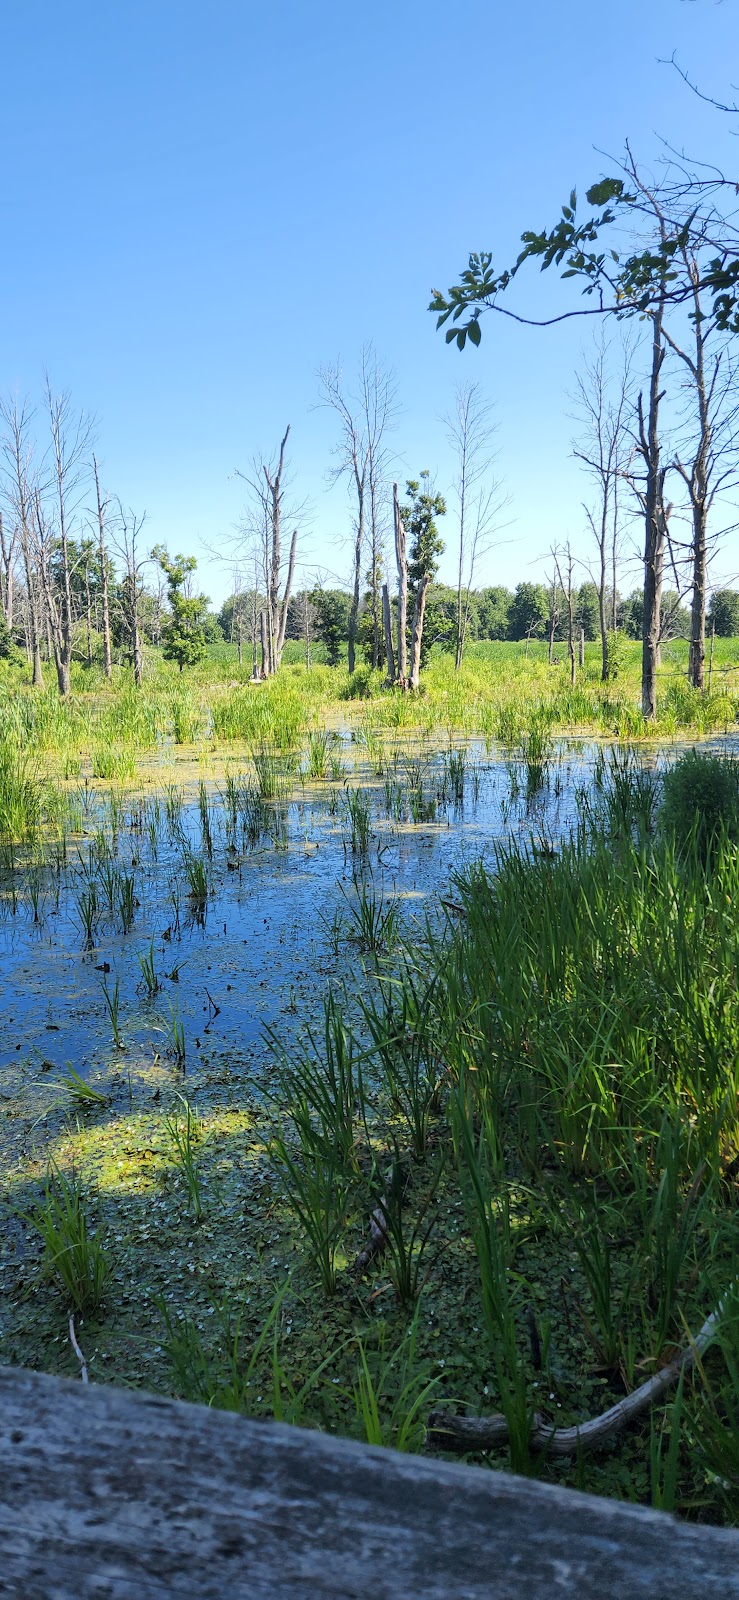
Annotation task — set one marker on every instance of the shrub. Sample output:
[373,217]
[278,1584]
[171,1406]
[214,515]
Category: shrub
[701,794]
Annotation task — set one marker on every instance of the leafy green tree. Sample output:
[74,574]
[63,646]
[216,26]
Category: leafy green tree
[632,614]
[529,611]
[419,516]
[587,611]
[332,620]
[494,613]
[212,629]
[723,613]
[426,544]
[184,633]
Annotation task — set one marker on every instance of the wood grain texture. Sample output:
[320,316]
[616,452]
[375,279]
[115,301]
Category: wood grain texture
[120,1496]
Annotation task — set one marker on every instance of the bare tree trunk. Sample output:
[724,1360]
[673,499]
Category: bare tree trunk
[388,621]
[567,587]
[358,548]
[553,618]
[614,555]
[88,614]
[402,565]
[697,479]
[364,421]
[274,484]
[7,550]
[654,522]
[254,624]
[265,644]
[418,616]
[286,600]
[101,508]
[33,617]
[17,454]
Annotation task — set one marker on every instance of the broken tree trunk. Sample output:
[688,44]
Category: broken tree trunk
[418,616]
[388,622]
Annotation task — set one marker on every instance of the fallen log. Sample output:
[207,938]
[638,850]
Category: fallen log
[104,1492]
[445,1431]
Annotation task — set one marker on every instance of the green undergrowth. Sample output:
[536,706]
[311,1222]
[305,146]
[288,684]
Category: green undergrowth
[502,692]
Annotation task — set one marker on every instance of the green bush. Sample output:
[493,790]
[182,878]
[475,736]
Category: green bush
[701,795]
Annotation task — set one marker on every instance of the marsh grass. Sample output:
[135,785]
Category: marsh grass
[373,918]
[185,1135]
[274,771]
[112,1006]
[176,1044]
[359,817]
[392,1390]
[399,1015]
[109,762]
[149,979]
[78,1092]
[225,1377]
[72,1253]
[21,797]
[187,718]
[409,1222]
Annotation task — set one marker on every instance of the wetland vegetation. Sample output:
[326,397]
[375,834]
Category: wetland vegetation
[372,1058]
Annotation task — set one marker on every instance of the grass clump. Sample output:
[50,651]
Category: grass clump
[72,1254]
[701,795]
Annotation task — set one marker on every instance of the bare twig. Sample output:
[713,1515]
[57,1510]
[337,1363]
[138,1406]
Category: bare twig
[77,1351]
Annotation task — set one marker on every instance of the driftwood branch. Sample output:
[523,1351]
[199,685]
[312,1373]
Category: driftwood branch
[445,1431]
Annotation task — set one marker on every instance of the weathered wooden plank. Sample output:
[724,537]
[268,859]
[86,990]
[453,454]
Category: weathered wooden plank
[106,1493]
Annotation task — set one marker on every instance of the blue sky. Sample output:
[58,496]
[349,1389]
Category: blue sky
[200,205]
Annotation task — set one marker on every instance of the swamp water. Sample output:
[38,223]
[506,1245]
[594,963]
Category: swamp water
[147,954]
[269,925]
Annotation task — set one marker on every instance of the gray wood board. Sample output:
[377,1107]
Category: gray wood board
[109,1493]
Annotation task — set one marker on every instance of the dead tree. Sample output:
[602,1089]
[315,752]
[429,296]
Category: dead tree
[553,618]
[601,449]
[648,485]
[264,520]
[8,554]
[709,467]
[19,487]
[565,585]
[102,506]
[401,559]
[126,541]
[479,502]
[70,446]
[388,626]
[419,613]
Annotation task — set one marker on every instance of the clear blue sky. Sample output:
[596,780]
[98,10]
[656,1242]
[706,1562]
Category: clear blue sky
[201,204]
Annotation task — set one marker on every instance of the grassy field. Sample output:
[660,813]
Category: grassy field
[482,1155]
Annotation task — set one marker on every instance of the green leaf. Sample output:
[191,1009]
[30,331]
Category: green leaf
[475,332]
[608,189]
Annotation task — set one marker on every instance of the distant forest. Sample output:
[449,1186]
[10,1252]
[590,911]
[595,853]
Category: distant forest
[532,611]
